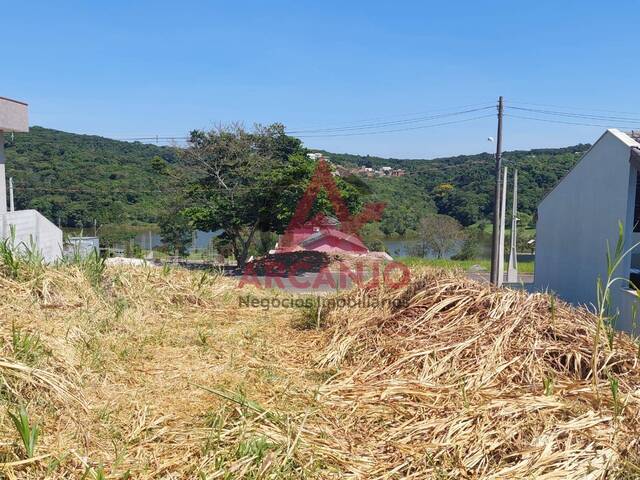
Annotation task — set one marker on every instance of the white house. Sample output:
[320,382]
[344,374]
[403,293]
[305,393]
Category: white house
[29,227]
[580,216]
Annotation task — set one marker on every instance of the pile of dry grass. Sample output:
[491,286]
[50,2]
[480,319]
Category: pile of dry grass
[149,373]
[467,381]
[162,373]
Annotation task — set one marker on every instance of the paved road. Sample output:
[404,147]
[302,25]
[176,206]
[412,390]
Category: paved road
[525,278]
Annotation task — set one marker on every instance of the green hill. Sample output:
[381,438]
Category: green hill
[462,186]
[78,178]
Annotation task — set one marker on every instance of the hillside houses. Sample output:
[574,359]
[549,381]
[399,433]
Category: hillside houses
[382,172]
[362,171]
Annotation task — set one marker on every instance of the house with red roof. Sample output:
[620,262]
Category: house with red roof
[320,235]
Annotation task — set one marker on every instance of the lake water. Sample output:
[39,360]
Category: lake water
[143,237]
[148,238]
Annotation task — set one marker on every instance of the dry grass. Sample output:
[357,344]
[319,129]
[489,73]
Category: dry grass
[466,381]
[162,374]
[133,375]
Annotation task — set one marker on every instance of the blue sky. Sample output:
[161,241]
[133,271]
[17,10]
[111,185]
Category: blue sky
[141,68]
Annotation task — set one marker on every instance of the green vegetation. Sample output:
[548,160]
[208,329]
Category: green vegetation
[406,203]
[28,433]
[246,182]
[462,186]
[81,178]
[485,264]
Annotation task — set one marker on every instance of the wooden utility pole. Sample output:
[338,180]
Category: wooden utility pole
[495,250]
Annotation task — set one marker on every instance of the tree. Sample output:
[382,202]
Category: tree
[245,182]
[440,234]
[373,237]
[462,205]
[471,243]
[175,231]
[524,241]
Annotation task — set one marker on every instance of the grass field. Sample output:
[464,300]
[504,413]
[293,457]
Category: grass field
[149,373]
[523,267]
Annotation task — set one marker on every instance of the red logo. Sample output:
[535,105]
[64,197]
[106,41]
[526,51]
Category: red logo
[323,252]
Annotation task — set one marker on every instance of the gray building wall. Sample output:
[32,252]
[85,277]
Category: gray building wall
[31,225]
[579,217]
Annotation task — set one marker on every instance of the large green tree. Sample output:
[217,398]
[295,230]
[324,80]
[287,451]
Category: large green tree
[249,181]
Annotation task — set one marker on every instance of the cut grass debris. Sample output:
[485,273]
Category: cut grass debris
[153,373]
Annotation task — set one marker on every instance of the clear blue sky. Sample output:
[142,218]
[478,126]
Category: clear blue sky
[139,67]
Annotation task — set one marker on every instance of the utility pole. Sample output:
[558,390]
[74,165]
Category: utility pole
[512,272]
[495,250]
[503,218]
[3,185]
[11,205]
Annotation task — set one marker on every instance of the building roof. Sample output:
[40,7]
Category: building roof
[331,232]
[624,137]
[322,220]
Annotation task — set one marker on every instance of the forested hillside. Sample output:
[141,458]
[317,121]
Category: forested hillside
[78,178]
[462,186]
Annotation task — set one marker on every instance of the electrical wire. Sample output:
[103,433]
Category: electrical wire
[386,124]
[398,129]
[549,120]
[575,115]
[374,119]
[515,102]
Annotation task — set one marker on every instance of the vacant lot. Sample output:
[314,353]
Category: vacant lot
[152,373]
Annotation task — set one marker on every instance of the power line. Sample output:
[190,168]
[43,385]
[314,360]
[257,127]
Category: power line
[429,112]
[513,102]
[371,128]
[549,120]
[398,129]
[575,115]
[385,124]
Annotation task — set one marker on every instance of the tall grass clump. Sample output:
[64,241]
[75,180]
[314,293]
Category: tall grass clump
[607,315]
[19,260]
[92,264]
[28,433]
[27,347]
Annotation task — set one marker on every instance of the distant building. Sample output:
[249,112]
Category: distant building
[320,235]
[315,156]
[382,172]
[27,228]
[580,217]
[341,171]
[81,247]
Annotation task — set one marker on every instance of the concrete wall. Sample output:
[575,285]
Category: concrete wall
[580,215]
[31,225]
[14,116]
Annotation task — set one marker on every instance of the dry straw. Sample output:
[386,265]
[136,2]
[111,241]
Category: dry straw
[468,381]
[150,373]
